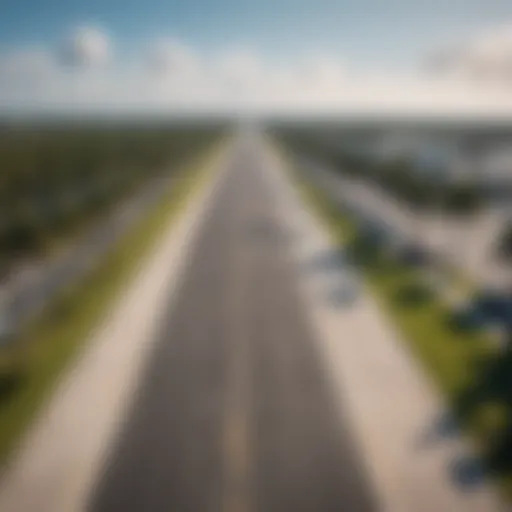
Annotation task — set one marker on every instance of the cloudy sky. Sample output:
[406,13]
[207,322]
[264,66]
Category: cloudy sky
[287,56]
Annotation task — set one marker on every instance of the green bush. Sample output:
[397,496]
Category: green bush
[462,199]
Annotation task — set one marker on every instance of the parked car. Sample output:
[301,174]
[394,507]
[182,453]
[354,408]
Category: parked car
[346,290]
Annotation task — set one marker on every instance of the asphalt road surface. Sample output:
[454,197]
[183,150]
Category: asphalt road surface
[234,411]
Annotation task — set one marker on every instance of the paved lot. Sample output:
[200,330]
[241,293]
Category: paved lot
[469,244]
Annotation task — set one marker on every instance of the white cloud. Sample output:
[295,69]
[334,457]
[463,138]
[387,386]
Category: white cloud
[171,57]
[86,46]
[25,65]
[322,71]
[239,66]
[24,75]
[172,75]
[30,61]
[486,58]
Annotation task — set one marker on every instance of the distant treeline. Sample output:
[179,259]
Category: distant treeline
[55,179]
[400,177]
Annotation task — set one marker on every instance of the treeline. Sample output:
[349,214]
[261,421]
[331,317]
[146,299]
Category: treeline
[55,179]
[505,247]
[400,177]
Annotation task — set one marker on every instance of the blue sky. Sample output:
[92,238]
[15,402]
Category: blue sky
[372,31]
[329,54]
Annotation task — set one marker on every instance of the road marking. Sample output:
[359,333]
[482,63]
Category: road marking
[236,430]
[237,458]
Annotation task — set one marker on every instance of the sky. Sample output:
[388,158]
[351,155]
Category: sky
[288,56]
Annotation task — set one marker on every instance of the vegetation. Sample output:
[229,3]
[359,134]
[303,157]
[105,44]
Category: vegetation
[474,375]
[506,242]
[55,179]
[30,369]
[399,177]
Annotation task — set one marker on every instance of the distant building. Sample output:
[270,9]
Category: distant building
[488,164]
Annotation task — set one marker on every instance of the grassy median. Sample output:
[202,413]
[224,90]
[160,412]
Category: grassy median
[54,340]
[472,373]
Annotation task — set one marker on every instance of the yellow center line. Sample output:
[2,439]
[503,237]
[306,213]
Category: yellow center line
[236,430]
